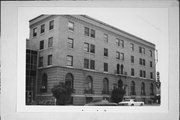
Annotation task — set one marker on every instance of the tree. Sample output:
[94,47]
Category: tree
[62,93]
[117,94]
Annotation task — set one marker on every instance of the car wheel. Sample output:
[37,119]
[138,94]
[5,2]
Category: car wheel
[141,104]
[132,104]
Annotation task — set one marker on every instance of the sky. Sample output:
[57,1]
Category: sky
[150,24]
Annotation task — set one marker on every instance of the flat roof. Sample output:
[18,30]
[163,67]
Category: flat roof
[88,17]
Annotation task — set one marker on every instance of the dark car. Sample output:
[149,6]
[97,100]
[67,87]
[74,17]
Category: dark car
[101,103]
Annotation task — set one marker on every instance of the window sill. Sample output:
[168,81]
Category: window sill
[41,34]
[51,30]
[106,57]
[90,37]
[89,53]
[50,47]
[89,69]
[72,31]
[105,72]
[49,66]
[119,60]
[69,66]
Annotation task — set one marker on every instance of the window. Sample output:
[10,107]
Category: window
[140,49]
[35,32]
[106,52]
[70,43]
[118,67]
[49,59]
[143,50]
[86,31]
[86,63]
[106,67]
[120,83]
[122,43]
[41,45]
[132,71]
[117,55]
[151,64]
[44,83]
[92,33]
[92,64]
[122,68]
[132,59]
[92,48]
[140,73]
[140,61]
[151,89]
[69,60]
[150,53]
[133,88]
[51,25]
[89,85]
[89,47]
[144,62]
[50,42]
[105,86]
[121,56]
[151,75]
[144,74]
[71,26]
[69,79]
[106,37]
[86,47]
[132,47]
[43,28]
[40,61]
[117,42]
[143,89]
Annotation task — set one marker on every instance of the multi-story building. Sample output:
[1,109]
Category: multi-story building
[31,69]
[92,57]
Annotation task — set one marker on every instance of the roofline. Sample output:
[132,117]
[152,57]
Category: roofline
[116,28]
[88,17]
[36,17]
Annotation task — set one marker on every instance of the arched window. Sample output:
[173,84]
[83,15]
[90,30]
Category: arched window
[133,88]
[89,85]
[122,69]
[120,83]
[143,89]
[44,83]
[105,86]
[151,89]
[69,80]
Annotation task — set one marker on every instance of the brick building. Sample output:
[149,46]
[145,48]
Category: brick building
[92,57]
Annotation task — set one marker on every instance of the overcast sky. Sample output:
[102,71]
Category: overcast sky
[150,24]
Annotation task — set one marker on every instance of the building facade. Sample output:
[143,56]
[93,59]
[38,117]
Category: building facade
[31,69]
[92,57]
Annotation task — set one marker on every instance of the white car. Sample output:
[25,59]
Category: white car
[131,102]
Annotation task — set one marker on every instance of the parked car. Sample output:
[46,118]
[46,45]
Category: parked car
[101,103]
[131,102]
